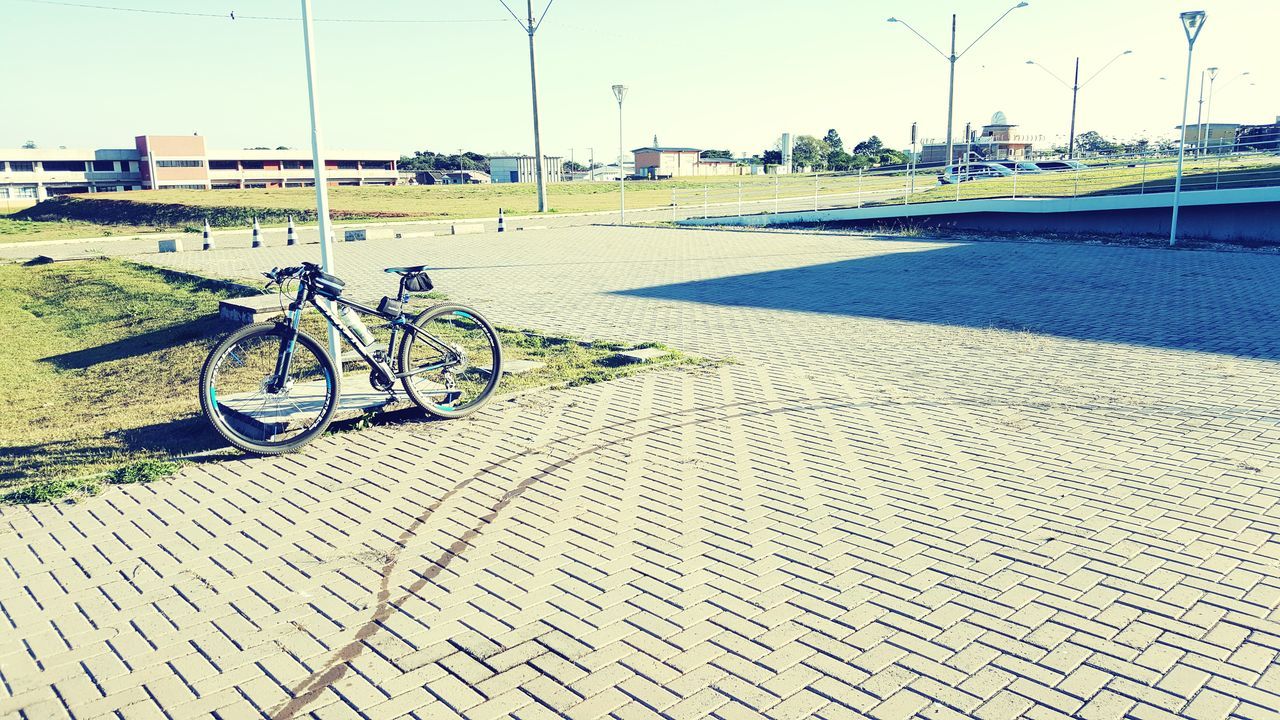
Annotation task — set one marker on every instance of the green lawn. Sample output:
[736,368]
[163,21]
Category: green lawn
[169,210]
[100,365]
[1203,174]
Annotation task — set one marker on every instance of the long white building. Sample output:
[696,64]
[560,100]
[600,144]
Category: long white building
[155,162]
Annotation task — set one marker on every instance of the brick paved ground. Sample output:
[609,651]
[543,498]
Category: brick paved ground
[942,480]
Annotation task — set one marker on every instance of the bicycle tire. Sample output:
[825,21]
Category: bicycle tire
[447,411]
[208,402]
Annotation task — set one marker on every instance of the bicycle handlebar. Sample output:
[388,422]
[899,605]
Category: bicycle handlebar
[279,275]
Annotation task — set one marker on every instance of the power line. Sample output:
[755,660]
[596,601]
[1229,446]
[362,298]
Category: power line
[231,15]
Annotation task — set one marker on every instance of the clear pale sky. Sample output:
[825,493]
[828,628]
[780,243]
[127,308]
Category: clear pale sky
[706,73]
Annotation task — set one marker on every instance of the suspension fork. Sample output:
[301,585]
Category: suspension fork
[285,358]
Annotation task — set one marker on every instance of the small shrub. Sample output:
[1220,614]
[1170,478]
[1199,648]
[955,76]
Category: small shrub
[142,471]
[51,490]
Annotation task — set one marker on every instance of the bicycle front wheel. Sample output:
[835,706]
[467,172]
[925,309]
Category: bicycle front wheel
[452,360]
[257,411]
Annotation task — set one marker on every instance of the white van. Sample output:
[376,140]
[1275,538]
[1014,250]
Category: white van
[964,172]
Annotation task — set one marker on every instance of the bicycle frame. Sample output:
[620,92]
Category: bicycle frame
[398,323]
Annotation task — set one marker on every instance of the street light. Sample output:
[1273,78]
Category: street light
[952,58]
[620,92]
[1075,92]
[1202,135]
[1208,119]
[1192,24]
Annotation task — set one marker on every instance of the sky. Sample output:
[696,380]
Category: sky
[731,74]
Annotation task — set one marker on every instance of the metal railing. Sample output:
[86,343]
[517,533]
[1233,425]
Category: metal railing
[1112,175]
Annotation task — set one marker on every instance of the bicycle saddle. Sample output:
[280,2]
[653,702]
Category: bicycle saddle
[406,270]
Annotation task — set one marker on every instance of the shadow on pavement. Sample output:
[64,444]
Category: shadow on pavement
[1203,301]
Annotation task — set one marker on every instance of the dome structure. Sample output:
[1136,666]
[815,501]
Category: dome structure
[999,118]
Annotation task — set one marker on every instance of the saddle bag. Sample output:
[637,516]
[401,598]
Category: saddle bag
[417,282]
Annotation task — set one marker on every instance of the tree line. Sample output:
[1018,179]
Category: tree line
[829,153]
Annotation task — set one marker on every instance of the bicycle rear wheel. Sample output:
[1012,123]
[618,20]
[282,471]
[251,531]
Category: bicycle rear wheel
[454,360]
[255,411]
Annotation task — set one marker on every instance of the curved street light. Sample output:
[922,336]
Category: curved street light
[1192,24]
[620,93]
[952,58]
[1075,92]
[1208,113]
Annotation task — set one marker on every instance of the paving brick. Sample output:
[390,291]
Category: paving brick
[1040,494]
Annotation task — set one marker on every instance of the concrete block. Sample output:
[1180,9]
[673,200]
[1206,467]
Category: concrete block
[253,309]
[467,229]
[174,245]
[642,355]
[355,235]
[519,367]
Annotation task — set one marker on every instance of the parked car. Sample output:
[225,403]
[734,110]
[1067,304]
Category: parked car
[1060,165]
[964,172]
[1020,166]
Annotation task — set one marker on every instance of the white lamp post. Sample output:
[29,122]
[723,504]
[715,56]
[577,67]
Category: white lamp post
[1208,111]
[1192,24]
[620,92]
[952,58]
[322,187]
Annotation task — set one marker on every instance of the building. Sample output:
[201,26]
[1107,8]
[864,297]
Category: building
[660,163]
[1215,137]
[180,162]
[521,169]
[609,173]
[996,141]
[466,177]
[1259,137]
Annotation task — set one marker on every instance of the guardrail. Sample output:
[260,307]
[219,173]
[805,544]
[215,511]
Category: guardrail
[774,194]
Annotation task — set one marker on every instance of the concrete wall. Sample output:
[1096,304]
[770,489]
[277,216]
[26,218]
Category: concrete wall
[1248,214]
[1254,222]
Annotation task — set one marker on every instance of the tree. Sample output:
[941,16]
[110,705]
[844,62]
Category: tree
[771,157]
[710,154]
[810,152]
[870,146]
[840,161]
[29,145]
[1093,142]
[833,140]
[570,166]
[283,147]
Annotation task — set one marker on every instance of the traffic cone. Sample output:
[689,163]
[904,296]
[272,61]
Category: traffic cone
[257,234]
[208,237]
[502,224]
[293,234]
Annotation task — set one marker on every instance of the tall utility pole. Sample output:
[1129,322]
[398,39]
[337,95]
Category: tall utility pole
[1075,96]
[322,187]
[1075,93]
[951,87]
[531,27]
[1199,116]
[1192,24]
[952,58]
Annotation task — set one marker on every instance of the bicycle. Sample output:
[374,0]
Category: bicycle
[270,388]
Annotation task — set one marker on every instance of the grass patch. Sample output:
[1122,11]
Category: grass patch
[101,361]
[98,370]
[132,212]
